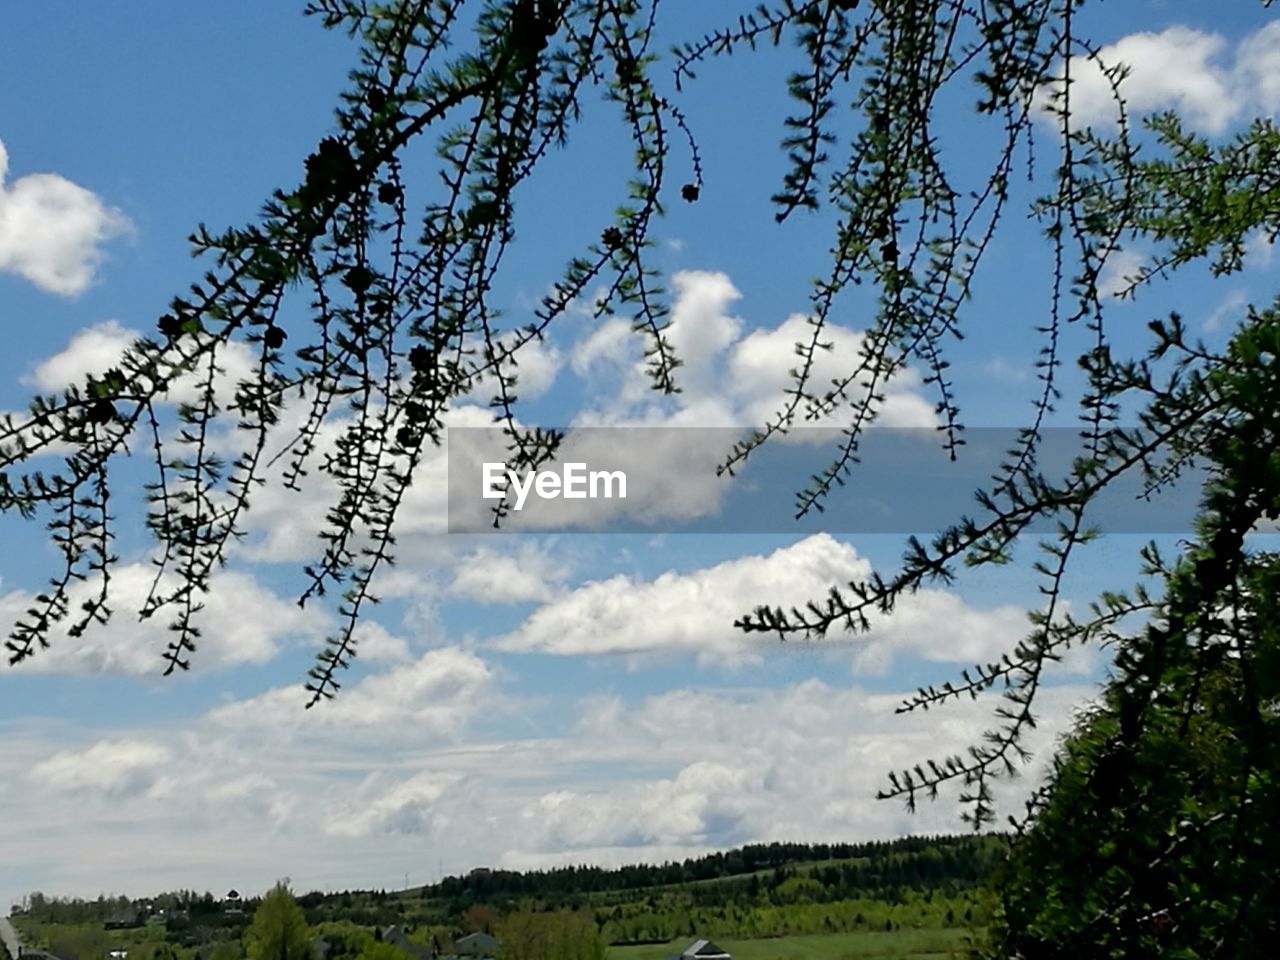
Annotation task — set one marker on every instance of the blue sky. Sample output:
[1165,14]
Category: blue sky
[520,700]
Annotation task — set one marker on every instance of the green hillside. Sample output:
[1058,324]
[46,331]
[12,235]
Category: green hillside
[916,896]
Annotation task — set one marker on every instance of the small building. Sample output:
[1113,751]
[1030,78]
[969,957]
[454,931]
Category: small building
[704,950]
[123,920]
[476,945]
[398,937]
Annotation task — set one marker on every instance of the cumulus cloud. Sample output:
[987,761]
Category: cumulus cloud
[1257,68]
[52,230]
[678,771]
[704,803]
[285,525]
[610,343]
[1259,250]
[1120,272]
[112,767]
[728,376]
[760,374]
[242,623]
[802,761]
[378,645]
[535,366]
[432,696]
[100,346]
[701,327]
[408,806]
[1192,72]
[690,613]
[528,573]
[625,780]
[693,613]
[92,350]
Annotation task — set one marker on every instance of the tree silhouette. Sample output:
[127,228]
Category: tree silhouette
[399,322]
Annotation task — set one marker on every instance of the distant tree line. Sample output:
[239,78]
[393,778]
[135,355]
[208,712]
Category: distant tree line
[759,890]
[113,908]
[902,862]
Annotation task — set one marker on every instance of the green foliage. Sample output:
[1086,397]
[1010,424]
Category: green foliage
[70,942]
[879,944]
[559,935]
[346,939]
[279,930]
[480,918]
[377,950]
[225,950]
[1153,836]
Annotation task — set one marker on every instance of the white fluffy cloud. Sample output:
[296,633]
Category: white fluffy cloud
[727,378]
[701,327]
[671,774]
[92,350]
[1120,271]
[285,525]
[693,613]
[704,803]
[1258,67]
[535,367]
[611,341]
[1194,73]
[760,374]
[433,696]
[51,230]
[242,623]
[409,806]
[96,348]
[526,573]
[803,761]
[110,767]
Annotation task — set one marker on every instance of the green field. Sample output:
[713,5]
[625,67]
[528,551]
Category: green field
[919,944]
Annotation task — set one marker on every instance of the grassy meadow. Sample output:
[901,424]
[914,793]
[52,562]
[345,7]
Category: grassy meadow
[867,945]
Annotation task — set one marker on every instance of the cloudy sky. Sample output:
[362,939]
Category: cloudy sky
[520,700]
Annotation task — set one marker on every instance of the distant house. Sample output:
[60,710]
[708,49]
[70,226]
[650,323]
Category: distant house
[123,920]
[704,950]
[476,945]
[399,938]
[232,904]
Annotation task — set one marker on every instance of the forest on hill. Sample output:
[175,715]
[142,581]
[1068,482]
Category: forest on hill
[760,890]
[871,865]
